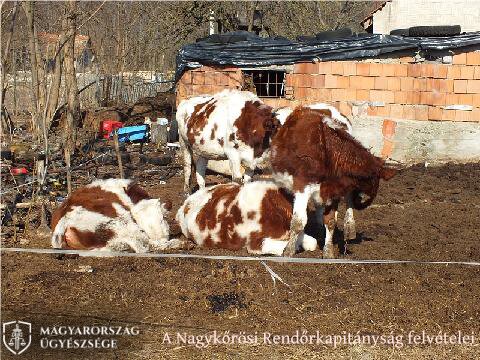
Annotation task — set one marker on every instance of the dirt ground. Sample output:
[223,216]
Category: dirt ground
[424,213]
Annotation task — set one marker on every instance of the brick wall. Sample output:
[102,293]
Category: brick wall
[400,90]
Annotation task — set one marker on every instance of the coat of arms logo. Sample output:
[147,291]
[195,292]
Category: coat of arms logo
[17,336]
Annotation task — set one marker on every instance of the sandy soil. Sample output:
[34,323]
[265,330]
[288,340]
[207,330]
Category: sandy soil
[428,213]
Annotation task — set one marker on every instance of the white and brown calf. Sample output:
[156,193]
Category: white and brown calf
[113,214]
[336,120]
[318,161]
[255,216]
[231,124]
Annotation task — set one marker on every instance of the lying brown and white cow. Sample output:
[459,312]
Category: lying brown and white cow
[113,214]
[231,124]
[255,216]
[320,162]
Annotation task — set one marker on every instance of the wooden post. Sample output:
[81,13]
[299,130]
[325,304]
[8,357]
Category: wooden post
[158,133]
[119,157]
[69,173]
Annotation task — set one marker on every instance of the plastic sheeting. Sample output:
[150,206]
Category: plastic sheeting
[244,49]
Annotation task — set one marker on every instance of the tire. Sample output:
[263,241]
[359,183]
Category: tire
[334,34]
[400,32]
[444,30]
[173,131]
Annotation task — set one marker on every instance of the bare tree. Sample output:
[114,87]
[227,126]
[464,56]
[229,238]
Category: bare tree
[73,102]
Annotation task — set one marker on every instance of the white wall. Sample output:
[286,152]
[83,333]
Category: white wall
[400,14]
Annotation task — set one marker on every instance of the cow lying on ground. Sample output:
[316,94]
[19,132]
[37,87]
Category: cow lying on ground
[255,216]
[231,124]
[318,161]
[112,214]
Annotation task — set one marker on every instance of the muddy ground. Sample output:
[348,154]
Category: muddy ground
[425,213]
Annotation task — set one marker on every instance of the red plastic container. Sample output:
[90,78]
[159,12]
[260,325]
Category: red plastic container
[108,126]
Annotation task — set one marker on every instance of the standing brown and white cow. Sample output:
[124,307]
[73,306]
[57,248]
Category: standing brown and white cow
[320,162]
[231,124]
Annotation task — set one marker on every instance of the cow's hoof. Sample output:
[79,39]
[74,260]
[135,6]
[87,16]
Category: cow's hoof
[328,253]
[349,232]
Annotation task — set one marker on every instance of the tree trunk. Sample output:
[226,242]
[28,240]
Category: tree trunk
[29,8]
[54,91]
[73,102]
[3,63]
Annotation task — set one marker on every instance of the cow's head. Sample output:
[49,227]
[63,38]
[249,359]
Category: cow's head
[150,216]
[366,192]
[256,126]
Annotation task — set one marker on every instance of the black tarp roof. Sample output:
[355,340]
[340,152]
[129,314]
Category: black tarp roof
[244,49]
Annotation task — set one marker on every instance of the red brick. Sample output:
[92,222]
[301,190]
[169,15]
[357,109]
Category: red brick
[339,94]
[306,80]
[448,115]
[389,69]
[301,68]
[476,100]
[325,67]
[421,112]
[350,94]
[440,71]
[420,84]
[441,85]
[382,111]
[453,72]
[462,115]
[321,94]
[385,96]
[476,74]
[406,83]
[343,82]
[349,68]
[187,77]
[460,59]
[451,99]
[464,99]
[331,81]
[337,68]
[198,78]
[414,70]
[234,82]
[381,83]
[221,78]
[400,70]
[396,111]
[318,81]
[393,83]
[475,115]
[363,95]
[467,72]
[428,70]
[434,113]
[209,78]
[406,59]
[362,82]
[300,93]
[473,58]
[363,69]
[460,86]
[413,97]
[345,108]
[473,86]
[400,97]
[409,112]
[376,69]
[434,98]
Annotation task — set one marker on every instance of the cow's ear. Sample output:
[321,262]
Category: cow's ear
[387,173]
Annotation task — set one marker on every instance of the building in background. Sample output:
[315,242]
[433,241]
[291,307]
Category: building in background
[402,14]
